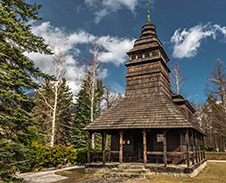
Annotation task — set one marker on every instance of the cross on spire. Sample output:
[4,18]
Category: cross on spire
[148,6]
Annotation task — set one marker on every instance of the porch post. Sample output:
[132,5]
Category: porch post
[187,144]
[204,155]
[164,148]
[196,146]
[199,157]
[193,147]
[121,147]
[103,146]
[89,147]
[144,146]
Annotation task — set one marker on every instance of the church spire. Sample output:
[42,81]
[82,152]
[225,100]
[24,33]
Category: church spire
[148,5]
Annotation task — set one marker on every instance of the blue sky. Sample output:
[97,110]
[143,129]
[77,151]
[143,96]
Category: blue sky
[192,32]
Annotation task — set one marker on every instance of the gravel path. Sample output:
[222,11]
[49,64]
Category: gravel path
[45,177]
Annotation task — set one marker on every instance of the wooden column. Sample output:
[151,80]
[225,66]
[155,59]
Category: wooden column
[204,155]
[120,146]
[164,148]
[199,157]
[196,146]
[187,144]
[193,148]
[89,147]
[144,146]
[103,146]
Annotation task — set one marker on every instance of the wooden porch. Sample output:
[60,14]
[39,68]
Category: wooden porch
[189,155]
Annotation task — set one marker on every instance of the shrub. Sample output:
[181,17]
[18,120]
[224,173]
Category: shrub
[47,156]
[210,148]
[82,156]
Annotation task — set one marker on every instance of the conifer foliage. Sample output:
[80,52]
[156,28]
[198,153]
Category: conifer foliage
[16,72]
[83,112]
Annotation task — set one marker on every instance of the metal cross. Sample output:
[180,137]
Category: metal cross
[148,5]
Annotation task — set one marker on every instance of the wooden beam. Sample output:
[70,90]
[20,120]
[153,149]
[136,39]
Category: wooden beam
[104,146]
[187,144]
[89,147]
[144,146]
[120,146]
[164,148]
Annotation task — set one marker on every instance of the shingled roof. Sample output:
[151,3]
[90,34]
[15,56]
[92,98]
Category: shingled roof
[148,99]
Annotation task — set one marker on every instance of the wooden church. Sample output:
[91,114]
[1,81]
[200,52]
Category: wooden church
[150,125]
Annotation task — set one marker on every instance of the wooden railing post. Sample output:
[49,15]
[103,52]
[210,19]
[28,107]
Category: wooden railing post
[120,146]
[187,144]
[164,148]
[144,146]
[103,146]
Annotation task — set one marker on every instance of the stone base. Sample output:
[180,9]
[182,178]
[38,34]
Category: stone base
[144,170]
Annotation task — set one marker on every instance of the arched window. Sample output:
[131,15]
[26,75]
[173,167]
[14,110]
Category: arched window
[140,56]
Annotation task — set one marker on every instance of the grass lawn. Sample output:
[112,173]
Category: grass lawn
[214,172]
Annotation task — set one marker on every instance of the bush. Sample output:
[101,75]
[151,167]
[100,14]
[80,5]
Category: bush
[210,148]
[82,156]
[46,157]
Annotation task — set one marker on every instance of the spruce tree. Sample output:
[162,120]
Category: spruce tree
[16,73]
[82,113]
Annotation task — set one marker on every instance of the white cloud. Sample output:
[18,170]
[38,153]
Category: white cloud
[103,8]
[187,42]
[114,51]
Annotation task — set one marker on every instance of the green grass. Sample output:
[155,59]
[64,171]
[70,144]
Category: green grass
[77,175]
[213,173]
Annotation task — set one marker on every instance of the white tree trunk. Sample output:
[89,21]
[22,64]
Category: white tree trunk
[93,79]
[54,114]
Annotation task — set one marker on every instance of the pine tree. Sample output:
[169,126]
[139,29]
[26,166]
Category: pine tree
[16,73]
[43,113]
[83,112]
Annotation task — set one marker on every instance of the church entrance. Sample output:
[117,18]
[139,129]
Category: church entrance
[139,148]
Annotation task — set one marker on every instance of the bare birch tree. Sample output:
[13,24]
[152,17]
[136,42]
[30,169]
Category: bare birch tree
[217,82]
[177,78]
[111,97]
[59,71]
[215,108]
[94,70]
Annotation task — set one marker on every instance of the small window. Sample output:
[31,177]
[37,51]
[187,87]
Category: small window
[133,57]
[155,53]
[159,137]
[147,55]
[139,56]
[128,142]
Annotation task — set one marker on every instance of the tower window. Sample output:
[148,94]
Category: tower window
[140,56]
[155,53]
[147,55]
[133,57]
